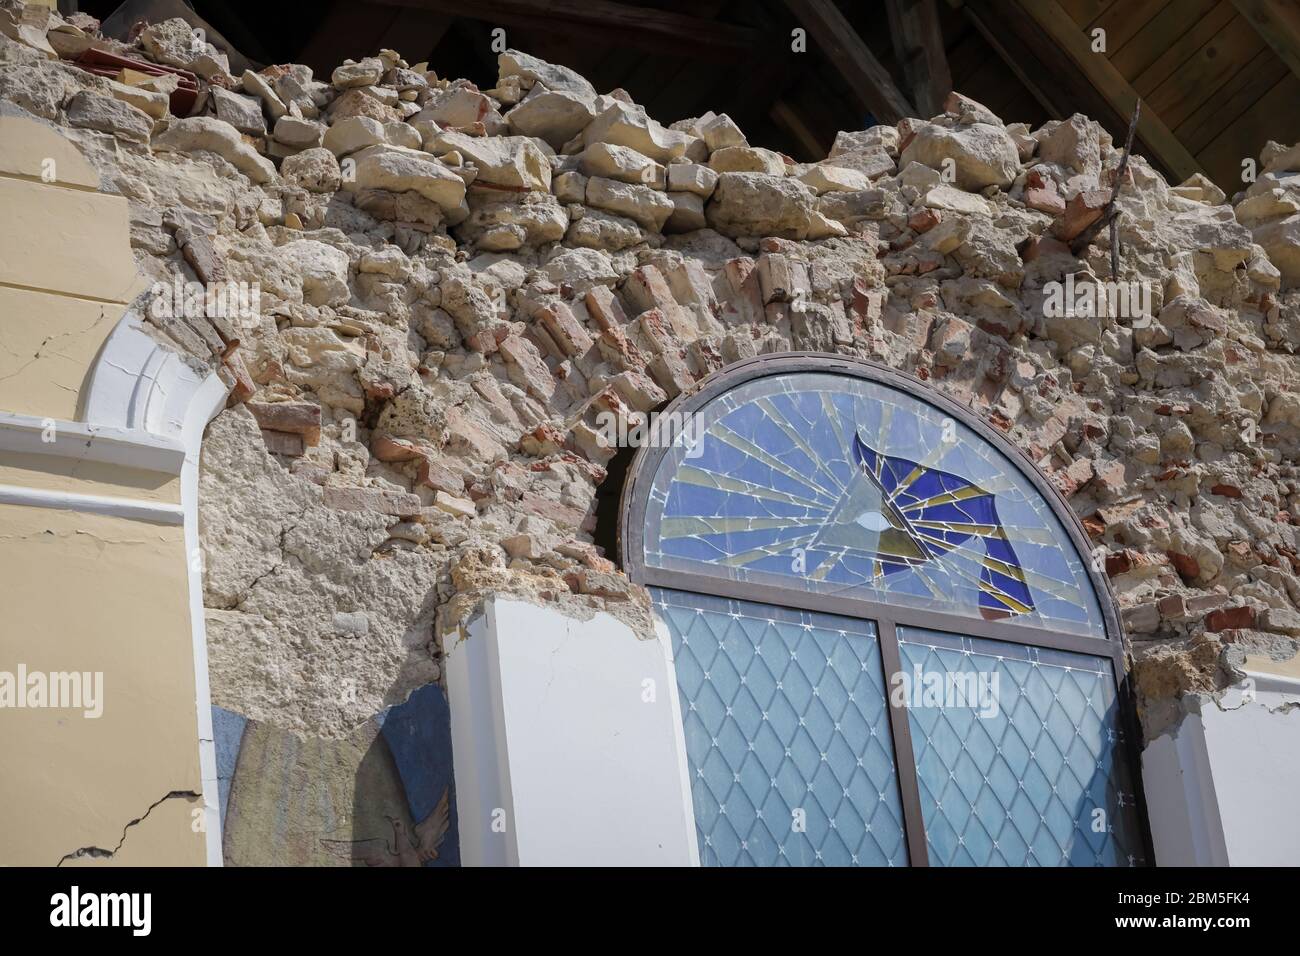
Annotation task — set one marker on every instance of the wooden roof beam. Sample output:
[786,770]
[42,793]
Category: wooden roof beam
[866,77]
[918,44]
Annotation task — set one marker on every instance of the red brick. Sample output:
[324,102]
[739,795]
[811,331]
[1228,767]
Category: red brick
[587,553]
[647,288]
[1227,491]
[670,371]
[638,391]
[923,220]
[1119,562]
[608,314]
[298,418]
[1230,618]
[1080,213]
[611,586]
[243,386]
[387,448]
[1172,607]
[1186,565]
[603,306]
[561,514]
[1041,194]
[528,368]
[565,329]
[439,478]
[1038,246]
[659,332]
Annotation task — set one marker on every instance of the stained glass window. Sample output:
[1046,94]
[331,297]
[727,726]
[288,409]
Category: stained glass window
[841,485]
[997,737]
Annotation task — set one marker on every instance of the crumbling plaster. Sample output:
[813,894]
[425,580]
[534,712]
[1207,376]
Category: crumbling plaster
[454,281]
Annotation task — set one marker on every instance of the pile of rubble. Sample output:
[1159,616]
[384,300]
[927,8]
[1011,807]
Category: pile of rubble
[454,282]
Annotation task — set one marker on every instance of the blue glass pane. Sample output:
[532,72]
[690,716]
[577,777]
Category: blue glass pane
[787,735]
[836,484]
[1019,752]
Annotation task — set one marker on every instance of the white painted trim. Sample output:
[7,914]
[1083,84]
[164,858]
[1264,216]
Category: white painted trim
[207,401]
[665,639]
[82,441]
[480,757]
[153,404]
[134,508]
[1210,787]
[1266,683]
[140,385]
[1186,825]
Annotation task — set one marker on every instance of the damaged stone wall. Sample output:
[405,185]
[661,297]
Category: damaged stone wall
[454,282]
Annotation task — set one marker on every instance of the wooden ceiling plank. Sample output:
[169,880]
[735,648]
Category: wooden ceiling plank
[966,57]
[1147,44]
[840,43]
[1172,62]
[1123,21]
[638,27]
[1235,97]
[1083,12]
[655,81]
[1213,65]
[1278,22]
[415,33]
[1273,117]
[1101,73]
[918,44]
[820,109]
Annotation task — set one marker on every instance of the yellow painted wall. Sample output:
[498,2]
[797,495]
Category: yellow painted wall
[66,269]
[94,593]
[84,592]
[51,473]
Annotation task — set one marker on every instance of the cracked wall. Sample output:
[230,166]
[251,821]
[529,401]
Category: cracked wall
[109,595]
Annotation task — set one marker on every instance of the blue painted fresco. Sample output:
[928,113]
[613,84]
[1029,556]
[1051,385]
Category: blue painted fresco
[381,796]
[228,732]
[418,733]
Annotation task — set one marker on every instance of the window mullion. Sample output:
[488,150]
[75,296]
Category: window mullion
[904,756]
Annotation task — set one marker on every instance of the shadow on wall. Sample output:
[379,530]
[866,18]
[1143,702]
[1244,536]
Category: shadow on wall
[382,796]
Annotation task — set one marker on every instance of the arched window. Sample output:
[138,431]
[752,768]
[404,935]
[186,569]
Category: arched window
[890,647]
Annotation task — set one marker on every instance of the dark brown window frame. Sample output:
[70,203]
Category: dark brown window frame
[887,617]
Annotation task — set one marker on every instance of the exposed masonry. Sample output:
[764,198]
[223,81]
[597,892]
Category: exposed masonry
[454,282]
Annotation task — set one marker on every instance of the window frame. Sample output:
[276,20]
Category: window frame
[888,617]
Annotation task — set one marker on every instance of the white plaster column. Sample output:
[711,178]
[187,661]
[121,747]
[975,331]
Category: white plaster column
[567,742]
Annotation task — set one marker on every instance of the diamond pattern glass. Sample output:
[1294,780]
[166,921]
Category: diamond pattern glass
[787,734]
[836,484]
[1019,754]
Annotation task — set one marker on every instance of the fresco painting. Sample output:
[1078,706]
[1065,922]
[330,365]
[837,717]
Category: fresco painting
[382,796]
